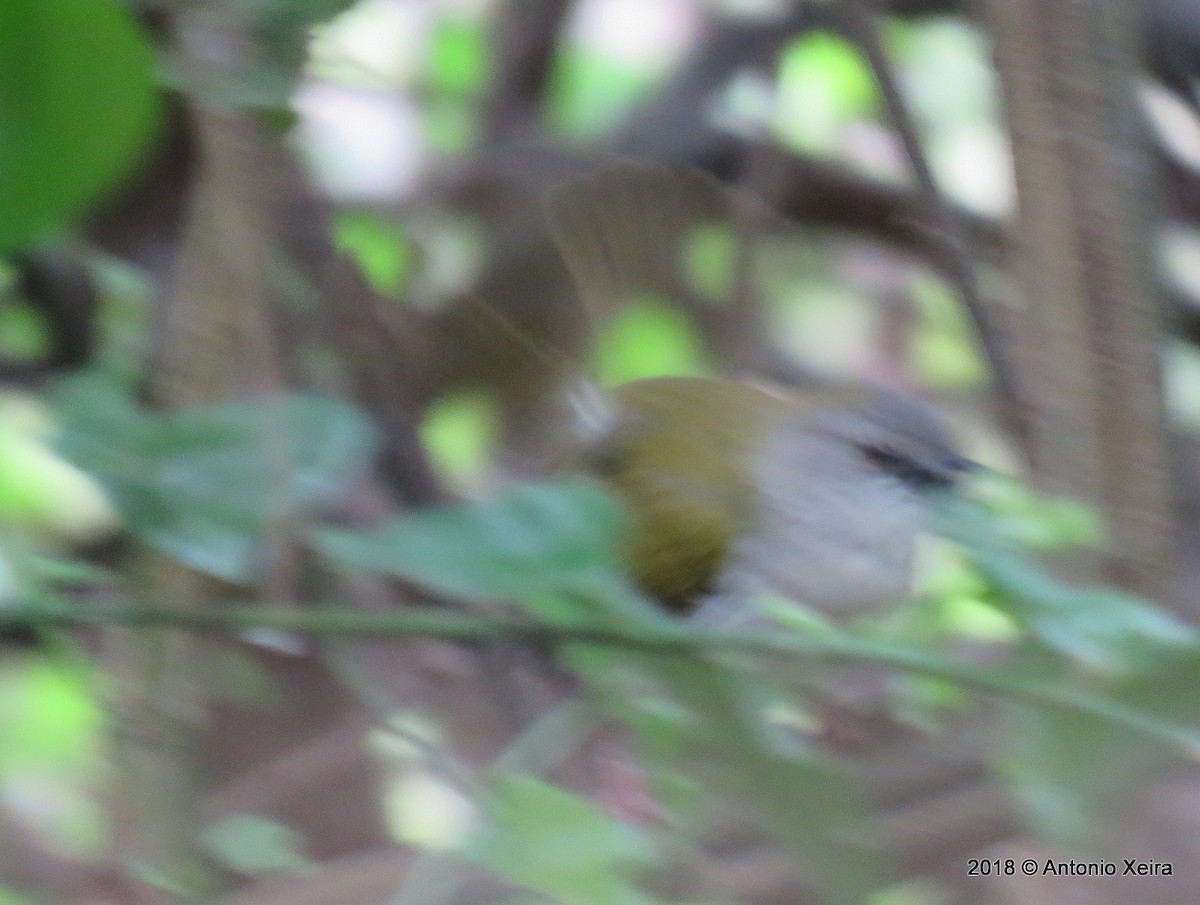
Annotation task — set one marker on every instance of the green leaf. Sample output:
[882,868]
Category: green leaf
[1027,519]
[1074,771]
[255,846]
[24,333]
[450,126]
[41,495]
[1126,690]
[943,346]
[555,843]
[52,730]
[649,338]
[380,248]
[68,572]
[590,94]
[8,897]
[824,83]
[460,432]
[459,59]
[78,103]
[289,15]
[1067,770]
[205,486]
[710,259]
[50,718]
[531,539]
[102,428]
[705,721]
[1103,628]
[243,681]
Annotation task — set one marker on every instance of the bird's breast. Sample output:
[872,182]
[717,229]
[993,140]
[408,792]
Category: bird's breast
[829,531]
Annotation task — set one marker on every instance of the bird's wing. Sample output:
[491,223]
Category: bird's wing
[676,454]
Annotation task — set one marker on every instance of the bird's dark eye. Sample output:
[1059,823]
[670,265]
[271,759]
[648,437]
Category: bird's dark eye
[905,469]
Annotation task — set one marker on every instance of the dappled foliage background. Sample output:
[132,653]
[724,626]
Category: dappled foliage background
[283,329]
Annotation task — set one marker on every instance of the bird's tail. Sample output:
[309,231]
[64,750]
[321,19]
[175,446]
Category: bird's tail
[627,231]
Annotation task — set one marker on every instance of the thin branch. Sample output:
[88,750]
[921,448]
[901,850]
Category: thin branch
[526,37]
[652,637]
[954,256]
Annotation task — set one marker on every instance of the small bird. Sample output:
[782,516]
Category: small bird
[812,493]
[737,490]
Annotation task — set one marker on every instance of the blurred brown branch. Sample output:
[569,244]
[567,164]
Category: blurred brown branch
[1087,337]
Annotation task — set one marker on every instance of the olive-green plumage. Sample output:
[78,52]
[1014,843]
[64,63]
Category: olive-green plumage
[679,451]
[674,454]
[705,464]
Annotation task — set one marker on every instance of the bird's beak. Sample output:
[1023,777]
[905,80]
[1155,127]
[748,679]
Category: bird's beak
[963,465]
[956,468]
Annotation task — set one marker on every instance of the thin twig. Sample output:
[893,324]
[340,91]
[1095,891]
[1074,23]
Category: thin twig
[652,637]
[943,226]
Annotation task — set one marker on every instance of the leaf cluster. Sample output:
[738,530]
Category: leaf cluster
[1097,685]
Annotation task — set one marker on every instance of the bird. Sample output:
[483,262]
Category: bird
[735,490]
[814,493]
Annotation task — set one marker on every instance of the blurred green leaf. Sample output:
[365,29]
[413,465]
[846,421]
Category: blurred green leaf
[943,347]
[824,84]
[123,322]
[555,843]
[531,539]
[205,486]
[1030,520]
[294,14]
[68,572]
[705,720]
[976,619]
[49,718]
[1100,627]
[78,103]
[244,682]
[8,897]
[255,846]
[1074,771]
[214,489]
[1068,770]
[459,56]
[710,260]
[590,94]
[380,248]
[460,431]
[24,334]
[649,338]
[102,429]
[51,750]
[449,125]
[42,495]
